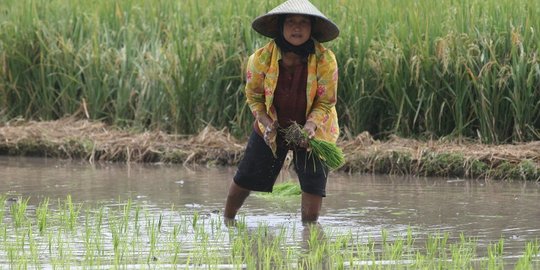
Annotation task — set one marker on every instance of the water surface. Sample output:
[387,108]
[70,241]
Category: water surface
[362,204]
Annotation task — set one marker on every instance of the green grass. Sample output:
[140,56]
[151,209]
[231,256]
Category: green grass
[328,152]
[418,68]
[129,234]
[280,190]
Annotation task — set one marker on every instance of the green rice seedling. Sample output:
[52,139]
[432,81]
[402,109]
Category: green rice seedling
[117,243]
[153,238]
[280,190]
[318,249]
[195,219]
[126,213]
[336,248]
[201,234]
[2,208]
[18,212]
[410,237]
[266,247]
[3,233]
[495,255]
[496,250]
[11,254]
[384,236]
[69,213]
[532,249]
[136,220]
[93,237]
[395,250]
[50,243]
[329,153]
[89,254]
[175,241]
[33,247]
[42,214]
[237,250]
[462,252]
[176,244]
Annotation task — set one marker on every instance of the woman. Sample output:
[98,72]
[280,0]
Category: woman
[293,78]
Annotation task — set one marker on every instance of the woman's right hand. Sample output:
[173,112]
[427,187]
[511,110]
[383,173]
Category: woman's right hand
[270,128]
[269,133]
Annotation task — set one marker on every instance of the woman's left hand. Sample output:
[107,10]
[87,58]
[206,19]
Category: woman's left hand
[309,129]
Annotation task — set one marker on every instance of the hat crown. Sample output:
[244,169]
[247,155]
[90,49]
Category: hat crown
[297,7]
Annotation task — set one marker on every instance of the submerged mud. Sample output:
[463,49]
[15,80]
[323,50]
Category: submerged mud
[96,142]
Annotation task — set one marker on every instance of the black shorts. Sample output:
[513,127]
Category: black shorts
[259,170]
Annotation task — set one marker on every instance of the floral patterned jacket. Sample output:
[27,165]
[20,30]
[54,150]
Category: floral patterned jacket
[261,81]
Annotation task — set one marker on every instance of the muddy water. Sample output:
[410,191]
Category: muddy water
[364,204]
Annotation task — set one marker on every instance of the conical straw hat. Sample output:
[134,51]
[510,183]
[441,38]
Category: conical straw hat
[323,30]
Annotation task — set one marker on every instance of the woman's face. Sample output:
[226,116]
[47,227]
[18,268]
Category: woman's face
[297,29]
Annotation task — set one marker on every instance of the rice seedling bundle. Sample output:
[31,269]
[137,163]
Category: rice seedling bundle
[329,153]
[281,190]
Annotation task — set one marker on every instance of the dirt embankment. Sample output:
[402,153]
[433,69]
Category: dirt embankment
[97,142]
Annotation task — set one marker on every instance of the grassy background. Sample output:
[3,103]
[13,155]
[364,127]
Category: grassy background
[416,68]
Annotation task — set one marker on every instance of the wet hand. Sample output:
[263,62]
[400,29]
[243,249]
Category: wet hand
[270,132]
[270,127]
[309,130]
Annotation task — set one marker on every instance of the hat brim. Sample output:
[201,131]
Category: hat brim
[323,30]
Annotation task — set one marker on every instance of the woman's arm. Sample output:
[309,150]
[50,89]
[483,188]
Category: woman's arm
[254,89]
[326,96]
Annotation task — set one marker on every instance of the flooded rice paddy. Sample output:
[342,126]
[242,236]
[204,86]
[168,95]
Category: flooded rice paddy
[156,215]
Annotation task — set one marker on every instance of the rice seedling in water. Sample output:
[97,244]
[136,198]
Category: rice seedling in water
[42,213]
[104,241]
[18,212]
[69,212]
[2,208]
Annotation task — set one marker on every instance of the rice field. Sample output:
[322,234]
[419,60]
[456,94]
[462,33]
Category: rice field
[416,68]
[63,234]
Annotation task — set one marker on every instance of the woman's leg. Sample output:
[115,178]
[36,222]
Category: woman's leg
[312,174]
[257,171]
[235,199]
[311,207]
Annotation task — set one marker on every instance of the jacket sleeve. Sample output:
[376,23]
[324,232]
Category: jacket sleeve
[326,96]
[255,84]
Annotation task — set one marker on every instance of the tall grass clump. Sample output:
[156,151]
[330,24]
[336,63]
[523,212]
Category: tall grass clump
[172,65]
[416,68]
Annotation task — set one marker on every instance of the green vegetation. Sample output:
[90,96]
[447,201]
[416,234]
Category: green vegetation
[423,68]
[127,235]
[440,165]
[329,153]
[280,190]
